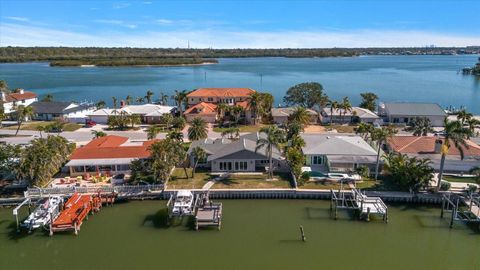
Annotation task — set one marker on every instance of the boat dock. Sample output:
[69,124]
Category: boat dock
[355,200]
[208,213]
[76,210]
[462,208]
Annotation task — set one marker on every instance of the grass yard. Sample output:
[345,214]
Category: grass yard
[254,181]
[179,180]
[366,184]
[243,128]
[342,128]
[451,178]
[33,125]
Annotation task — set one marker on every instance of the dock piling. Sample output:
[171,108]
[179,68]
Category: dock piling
[302,232]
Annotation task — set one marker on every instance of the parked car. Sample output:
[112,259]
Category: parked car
[90,123]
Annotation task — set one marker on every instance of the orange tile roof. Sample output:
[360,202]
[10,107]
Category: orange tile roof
[202,108]
[243,104]
[17,96]
[426,145]
[111,147]
[222,92]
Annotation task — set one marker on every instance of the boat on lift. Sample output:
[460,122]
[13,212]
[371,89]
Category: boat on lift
[47,211]
[183,203]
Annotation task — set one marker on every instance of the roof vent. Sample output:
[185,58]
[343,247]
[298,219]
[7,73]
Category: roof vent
[328,137]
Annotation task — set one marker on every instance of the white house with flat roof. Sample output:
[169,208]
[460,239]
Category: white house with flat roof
[404,112]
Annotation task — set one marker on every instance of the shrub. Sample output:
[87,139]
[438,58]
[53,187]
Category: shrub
[444,186]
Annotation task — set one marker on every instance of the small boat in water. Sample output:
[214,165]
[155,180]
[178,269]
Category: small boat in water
[183,203]
[48,210]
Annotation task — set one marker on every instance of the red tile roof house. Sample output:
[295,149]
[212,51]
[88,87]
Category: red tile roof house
[203,102]
[20,97]
[430,147]
[108,155]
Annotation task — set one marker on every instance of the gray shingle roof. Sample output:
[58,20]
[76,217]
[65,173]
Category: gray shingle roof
[219,148]
[278,112]
[414,109]
[328,144]
[56,107]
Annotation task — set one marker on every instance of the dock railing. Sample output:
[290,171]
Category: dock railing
[129,190]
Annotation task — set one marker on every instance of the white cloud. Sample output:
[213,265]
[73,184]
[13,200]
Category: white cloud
[117,22]
[22,35]
[121,5]
[18,19]
[164,21]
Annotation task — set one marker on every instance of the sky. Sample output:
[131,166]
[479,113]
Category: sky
[239,24]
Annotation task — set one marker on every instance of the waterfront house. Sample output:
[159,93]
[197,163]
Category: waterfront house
[403,112]
[203,103]
[9,101]
[337,153]
[280,115]
[68,111]
[430,147]
[355,115]
[225,155]
[149,113]
[107,155]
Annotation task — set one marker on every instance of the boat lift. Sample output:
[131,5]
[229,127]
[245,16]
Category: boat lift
[355,200]
[462,208]
[28,202]
[207,213]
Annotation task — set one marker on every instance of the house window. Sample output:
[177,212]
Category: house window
[240,165]
[123,167]
[225,166]
[317,160]
[210,99]
[78,169]
[405,120]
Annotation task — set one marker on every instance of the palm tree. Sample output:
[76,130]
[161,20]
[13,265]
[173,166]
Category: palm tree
[23,113]
[346,107]
[114,99]
[180,97]
[237,111]
[128,100]
[163,98]
[40,128]
[48,98]
[380,135]
[221,110]
[198,154]
[2,115]
[197,129]
[149,96]
[135,119]
[101,104]
[139,100]
[98,134]
[463,116]
[254,104]
[333,106]
[420,126]
[152,132]
[364,129]
[300,115]
[456,134]
[232,133]
[175,135]
[273,140]
[297,142]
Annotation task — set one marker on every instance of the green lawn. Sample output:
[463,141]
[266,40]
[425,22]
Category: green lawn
[451,178]
[33,125]
[366,184]
[243,128]
[179,180]
[254,181]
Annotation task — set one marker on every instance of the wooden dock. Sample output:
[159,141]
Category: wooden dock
[462,208]
[207,213]
[355,200]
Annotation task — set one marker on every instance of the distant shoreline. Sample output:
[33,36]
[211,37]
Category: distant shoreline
[171,65]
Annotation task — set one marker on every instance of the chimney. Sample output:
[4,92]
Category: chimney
[122,103]
[21,91]
[4,96]
[438,146]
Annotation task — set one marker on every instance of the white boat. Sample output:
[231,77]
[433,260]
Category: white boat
[48,209]
[183,204]
[343,176]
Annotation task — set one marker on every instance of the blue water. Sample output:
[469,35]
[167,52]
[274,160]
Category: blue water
[393,78]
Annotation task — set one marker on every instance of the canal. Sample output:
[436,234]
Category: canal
[256,234]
